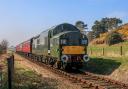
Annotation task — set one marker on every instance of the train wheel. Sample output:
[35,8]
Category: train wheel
[51,61]
[47,61]
[59,65]
[66,66]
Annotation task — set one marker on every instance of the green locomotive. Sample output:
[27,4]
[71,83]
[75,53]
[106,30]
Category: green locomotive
[64,45]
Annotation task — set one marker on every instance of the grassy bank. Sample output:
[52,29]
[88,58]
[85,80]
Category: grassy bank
[25,78]
[107,65]
[109,51]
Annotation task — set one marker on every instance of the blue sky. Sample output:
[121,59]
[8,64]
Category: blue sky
[22,19]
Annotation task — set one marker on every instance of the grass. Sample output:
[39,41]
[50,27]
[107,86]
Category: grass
[123,43]
[106,65]
[111,60]
[25,78]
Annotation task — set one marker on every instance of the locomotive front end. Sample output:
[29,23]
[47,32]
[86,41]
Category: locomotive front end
[74,49]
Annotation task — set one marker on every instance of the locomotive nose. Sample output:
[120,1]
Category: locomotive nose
[73,50]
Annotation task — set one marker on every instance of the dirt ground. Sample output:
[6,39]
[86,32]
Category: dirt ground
[120,75]
[50,77]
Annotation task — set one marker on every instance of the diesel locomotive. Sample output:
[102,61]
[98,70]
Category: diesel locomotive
[63,46]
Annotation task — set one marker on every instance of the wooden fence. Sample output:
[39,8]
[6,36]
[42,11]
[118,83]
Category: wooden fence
[6,73]
[110,51]
[0,76]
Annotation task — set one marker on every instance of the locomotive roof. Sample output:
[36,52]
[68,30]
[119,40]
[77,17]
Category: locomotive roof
[63,26]
[58,29]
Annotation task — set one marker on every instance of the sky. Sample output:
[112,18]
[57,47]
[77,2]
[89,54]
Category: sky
[23,19]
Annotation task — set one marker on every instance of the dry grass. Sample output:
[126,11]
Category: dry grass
[123,30]
[113,67]
[25,78]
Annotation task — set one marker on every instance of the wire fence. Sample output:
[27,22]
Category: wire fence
[6,72]
[0,76]
[1,71]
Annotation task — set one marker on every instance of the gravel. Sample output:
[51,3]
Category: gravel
[54,80]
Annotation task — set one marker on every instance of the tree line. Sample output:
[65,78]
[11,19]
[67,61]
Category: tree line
[100,26]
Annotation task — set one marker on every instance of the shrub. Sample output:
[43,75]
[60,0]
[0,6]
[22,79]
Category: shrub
[113,38]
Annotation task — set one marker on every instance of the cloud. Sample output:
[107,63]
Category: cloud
[118,14]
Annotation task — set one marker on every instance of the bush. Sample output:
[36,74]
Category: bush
[113,38]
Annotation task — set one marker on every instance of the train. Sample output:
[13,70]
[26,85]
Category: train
[63,46]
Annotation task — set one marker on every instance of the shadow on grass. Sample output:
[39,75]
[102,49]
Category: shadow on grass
[101,66]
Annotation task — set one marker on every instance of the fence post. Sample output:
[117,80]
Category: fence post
[0,76]
[10,61]
[13,64]
[103,51]
[121,51]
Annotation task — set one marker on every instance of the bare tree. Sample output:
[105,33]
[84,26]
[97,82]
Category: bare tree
[4,44]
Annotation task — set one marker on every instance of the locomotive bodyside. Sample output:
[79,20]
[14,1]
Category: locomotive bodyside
[63,45]
[40,44]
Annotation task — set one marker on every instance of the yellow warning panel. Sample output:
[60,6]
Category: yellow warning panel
[73,50]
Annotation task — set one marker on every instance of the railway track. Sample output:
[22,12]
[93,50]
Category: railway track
[85,79]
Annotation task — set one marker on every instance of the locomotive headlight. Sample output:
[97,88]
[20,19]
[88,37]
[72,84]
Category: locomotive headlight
[64,58]
[86,58]
[84,42]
